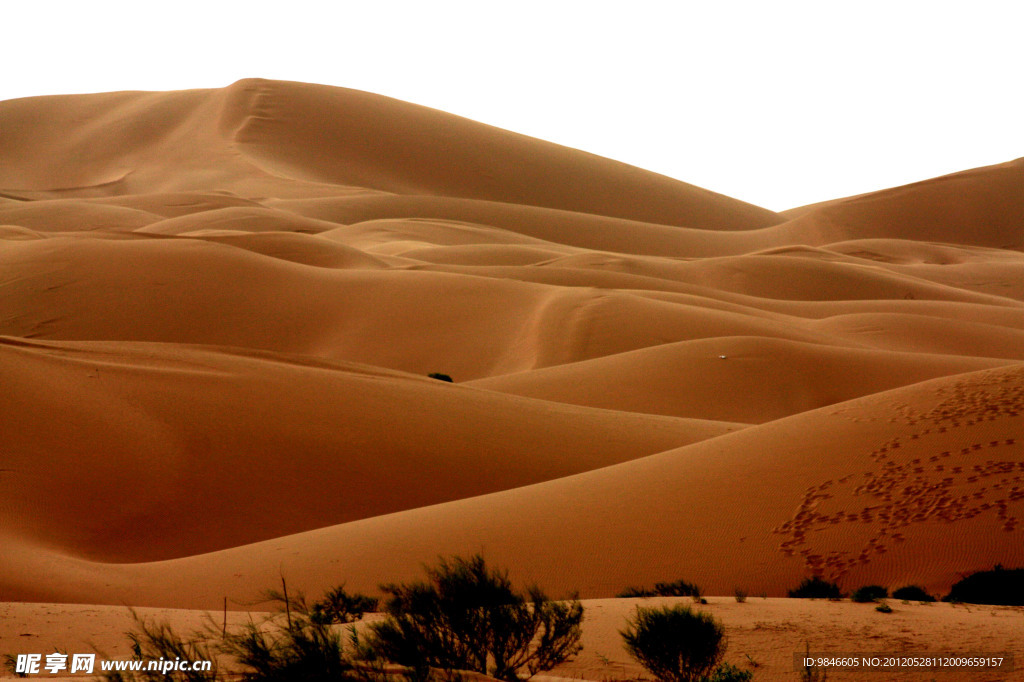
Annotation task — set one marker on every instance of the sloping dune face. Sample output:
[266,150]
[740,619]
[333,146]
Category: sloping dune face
[219,311]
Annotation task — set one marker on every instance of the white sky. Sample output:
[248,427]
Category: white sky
[776,103]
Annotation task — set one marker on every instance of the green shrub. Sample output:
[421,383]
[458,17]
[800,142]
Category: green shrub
[741,595]
[634,592]
[869,593]
[677,644]
[816,588]
[912,593]
[338,606]
[468,617]
[999,586]
[883,608]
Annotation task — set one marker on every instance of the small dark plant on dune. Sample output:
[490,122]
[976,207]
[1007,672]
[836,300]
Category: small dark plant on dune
[1002,586]
[466,616]
[816,588]
[869,593]
[912,593]
[636,592]
[677,644]
[440,377]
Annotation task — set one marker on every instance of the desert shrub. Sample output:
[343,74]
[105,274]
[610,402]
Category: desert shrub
[11,662]
[816,588]
[741,595]
[338,606]
[293,645]
[869,593]
[152,640]
[440,377]
[727,672]
[677,588]
[1001,586]
[466,616]
[912,593]
[677,644]
[883,608]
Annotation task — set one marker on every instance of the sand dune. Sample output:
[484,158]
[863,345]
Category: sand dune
[156,431]
[764,379]
[73,216]
[219,308]
[909,508]
[274,134]
[979,207]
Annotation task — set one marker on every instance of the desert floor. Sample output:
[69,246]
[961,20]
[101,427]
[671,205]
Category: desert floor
[762,631]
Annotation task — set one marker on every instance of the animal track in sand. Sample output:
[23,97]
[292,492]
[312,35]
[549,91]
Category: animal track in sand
[909,483]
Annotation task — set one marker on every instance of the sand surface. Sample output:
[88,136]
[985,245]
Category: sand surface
[763,634]
[219,308]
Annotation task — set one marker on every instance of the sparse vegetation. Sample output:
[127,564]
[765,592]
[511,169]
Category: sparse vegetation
[676,588]
[816,588]
[440,377]
[741,595]
[912,593]
[869,593]
[11,661]
[677,644]
[809,673]
[883,608]
[1002,586]
[466,616]
[152,640]
[727,672]
[294,644]
[338,606]
[291,645]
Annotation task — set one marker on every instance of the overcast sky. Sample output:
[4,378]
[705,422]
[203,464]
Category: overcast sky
[776,103]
